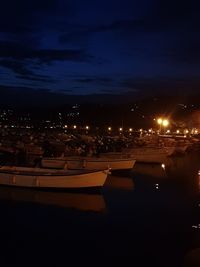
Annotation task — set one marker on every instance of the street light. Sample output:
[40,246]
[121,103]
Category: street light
[165,123]
[159,121]
[162,122]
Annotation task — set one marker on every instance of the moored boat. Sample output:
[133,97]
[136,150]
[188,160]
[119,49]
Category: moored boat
[49,178]
[89,163]
[148,154]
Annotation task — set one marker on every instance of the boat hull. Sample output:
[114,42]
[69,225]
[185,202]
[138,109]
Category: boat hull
[149,155]
[89,163]
[39,178]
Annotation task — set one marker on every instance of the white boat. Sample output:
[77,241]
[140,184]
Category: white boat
[148,154]
[89,163]
[49,178]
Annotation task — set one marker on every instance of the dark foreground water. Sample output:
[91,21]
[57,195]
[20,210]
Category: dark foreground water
[148,218]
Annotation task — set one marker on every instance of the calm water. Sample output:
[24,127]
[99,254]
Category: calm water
[148,218]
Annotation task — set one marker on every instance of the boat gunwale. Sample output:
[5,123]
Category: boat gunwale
[91,159]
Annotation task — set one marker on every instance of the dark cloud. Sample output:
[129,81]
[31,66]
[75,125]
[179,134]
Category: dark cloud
[25,61]
[117,38]
[174,12]
[16,66]
[163,16]
[84,32]
[23,72]
[85,80]
[100,80]
[21,16]
[187,50]
[162,84]
[21,52]
[65,90]
[37,78]
[109,91]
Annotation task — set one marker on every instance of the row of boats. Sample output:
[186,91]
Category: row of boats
[80,172]
[63,173]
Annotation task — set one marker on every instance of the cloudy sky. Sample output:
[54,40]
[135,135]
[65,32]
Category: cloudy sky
[105,46]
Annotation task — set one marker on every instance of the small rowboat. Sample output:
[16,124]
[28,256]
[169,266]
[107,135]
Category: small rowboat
[89,163]
[49,178]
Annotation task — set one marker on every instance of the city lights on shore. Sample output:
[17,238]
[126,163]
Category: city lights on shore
[160,126]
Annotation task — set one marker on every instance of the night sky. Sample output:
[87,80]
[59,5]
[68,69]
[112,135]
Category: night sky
[82,47]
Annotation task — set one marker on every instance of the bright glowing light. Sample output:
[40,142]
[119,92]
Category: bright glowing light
[157,186]
[141,130]
[87,127]
[196,131]
[168,131]
[177,131]
[159,121]
[109,128]
[186,131]
[150,130]
[65,126]
[74,126]
[130,129]
[165,123]
[163,165]
[120,129]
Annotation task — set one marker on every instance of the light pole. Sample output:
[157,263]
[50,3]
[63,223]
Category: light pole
[160,121]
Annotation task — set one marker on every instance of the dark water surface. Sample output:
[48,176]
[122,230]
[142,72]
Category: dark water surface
[148,218]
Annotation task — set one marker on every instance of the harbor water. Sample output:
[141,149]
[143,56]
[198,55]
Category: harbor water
[149,216]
